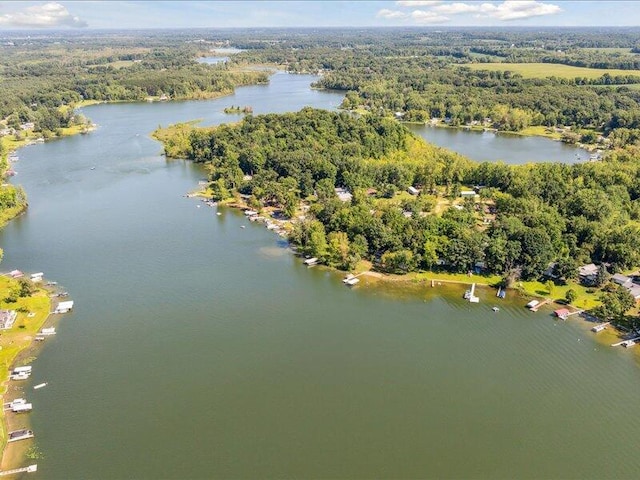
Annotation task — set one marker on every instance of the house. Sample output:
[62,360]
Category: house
[562,313]
[16,274]
[622,280]
[634,290]
[468,194]
[7,318]
[588,274]
[413,191]
[27,126]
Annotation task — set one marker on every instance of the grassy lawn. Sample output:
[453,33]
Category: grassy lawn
[584,300]
[540,131]
[541,70]
[455,277]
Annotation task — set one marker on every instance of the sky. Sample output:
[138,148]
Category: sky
[309,13]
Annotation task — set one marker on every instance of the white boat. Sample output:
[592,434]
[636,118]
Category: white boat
[40,385]
[24,369]
[532,303]
[352,281]
[495,309]
[311,261]
[19,376]
[48,331]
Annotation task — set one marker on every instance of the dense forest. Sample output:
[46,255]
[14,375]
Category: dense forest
[524,218]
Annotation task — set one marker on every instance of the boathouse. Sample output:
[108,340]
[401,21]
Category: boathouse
[562,313]
[64,307]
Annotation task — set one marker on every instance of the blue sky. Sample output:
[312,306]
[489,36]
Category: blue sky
[220,14]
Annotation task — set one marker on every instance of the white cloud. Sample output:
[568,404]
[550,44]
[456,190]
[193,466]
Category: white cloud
[515,10]
[426,16]
[456,8]
[41,16]
[417,3]
[386,13]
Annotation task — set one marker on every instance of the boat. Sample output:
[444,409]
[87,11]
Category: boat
[501,293]
[352,281]
[470,294]
[40,385]
[48,331]
[495,309]
[309,262]
[25,369]
[19,376]
[21,434]
[348,277]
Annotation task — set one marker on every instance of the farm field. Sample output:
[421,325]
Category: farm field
[538,70]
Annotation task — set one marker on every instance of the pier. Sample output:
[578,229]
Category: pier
[626,343]
[29,469]
[535,307]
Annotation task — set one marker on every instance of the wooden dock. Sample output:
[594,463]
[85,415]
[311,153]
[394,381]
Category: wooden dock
[536,307]
[29,469]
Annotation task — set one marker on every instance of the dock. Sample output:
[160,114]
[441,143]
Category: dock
[626,343]
[29,469]
[350,280]
[600,327]
[535,307]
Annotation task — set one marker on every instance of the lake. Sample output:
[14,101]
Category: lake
[198,349]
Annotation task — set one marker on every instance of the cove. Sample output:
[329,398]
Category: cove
[198,349]
[508,148]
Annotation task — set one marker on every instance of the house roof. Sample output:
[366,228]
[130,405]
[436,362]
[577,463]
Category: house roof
[562,312]
[635,291]
[586,270]
[620,279]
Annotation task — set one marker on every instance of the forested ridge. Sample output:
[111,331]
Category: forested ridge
[524,218]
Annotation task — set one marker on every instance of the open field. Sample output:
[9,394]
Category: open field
[539,70]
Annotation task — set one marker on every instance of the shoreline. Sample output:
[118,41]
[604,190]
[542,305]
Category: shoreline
[20,348]
[432,279]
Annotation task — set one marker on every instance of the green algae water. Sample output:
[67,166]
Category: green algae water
[198,349]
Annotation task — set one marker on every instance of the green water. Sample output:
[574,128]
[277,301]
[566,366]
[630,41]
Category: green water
[198,349]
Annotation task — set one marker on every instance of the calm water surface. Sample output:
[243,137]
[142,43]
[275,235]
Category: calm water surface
[198,349]
[508,148]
